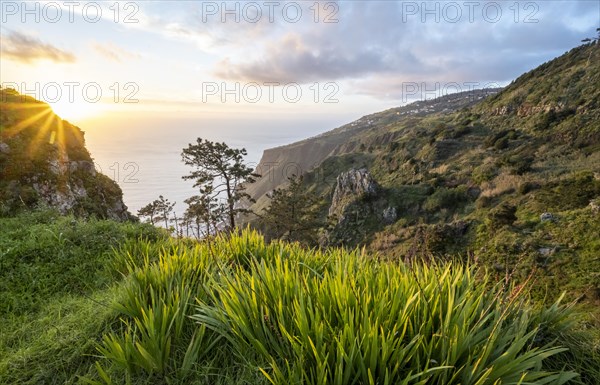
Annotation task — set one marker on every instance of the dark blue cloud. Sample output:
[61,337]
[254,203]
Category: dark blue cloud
[374,41]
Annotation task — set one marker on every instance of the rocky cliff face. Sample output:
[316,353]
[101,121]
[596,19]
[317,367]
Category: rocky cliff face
[277,164]
[351,186]
[358,204]
[43,161]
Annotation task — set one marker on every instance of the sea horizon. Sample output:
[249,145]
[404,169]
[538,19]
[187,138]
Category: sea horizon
[144,157]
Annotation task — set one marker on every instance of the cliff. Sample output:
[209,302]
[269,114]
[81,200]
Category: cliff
[277,164]
[44,161]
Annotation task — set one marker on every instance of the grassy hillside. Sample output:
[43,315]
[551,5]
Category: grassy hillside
[475,182]
[107,303]
[487,273]
[277,164]
[56,282]
[44,161]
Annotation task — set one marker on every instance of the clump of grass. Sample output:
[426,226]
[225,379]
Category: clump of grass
[324,317]
[156,336]
[364,322]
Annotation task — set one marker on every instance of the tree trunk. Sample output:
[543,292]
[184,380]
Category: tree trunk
[230,204]
[177,226]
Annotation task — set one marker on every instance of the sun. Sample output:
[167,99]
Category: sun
[74,111]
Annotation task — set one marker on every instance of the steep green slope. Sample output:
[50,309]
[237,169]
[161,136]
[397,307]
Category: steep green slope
[43,160]
[277,164]
[475,182]
[558,101]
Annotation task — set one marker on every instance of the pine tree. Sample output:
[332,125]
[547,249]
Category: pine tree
[293,213]
[204,213]
[158,209]
[165,208]
[148,211]
[219,171]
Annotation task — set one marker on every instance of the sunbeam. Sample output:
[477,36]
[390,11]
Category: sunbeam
[41,134]
[20,126]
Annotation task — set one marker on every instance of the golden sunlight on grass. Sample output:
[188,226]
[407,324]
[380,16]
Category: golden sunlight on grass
[42,110]
[45,133]
[48,126]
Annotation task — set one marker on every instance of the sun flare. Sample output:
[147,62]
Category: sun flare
[75,110]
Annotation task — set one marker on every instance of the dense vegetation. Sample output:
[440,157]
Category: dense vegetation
[88,301]
[476,182]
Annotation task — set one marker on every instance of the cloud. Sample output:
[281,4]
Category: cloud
[189,23]
[377,46]
[291,59]
[28,49]
[114,52]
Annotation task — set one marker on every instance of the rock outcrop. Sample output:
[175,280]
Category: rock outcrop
[350,186]
[44,161]
[4,148]
[357,207]
[390,214]
[547,217]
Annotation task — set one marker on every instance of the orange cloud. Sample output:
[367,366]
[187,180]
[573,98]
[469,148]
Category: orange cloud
[27,49]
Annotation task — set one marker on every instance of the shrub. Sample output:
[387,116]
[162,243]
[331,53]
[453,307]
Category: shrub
[527,187]
[521,165]
[568,194]
[484,173]
[439,240]
[503,215]
[499,140]
[483,201]
[461,131]
[392,146]
[501,143]
[444,198]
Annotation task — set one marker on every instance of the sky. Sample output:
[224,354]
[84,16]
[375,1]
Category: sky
[144,78]
[342,58]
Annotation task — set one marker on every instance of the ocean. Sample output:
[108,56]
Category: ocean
[142,153]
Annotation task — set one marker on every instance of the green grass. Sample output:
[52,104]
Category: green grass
[55,291]
[147,309]
[55,345]
[326,317]
[43,256]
